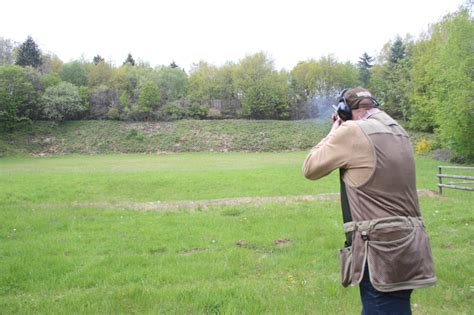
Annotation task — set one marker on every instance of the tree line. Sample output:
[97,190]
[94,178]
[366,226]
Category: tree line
[427,83]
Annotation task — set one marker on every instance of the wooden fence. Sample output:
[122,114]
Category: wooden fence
[469,180]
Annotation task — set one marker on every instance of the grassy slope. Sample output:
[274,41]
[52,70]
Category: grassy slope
[91,137]
[71,259]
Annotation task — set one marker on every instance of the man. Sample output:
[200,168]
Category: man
[387,252]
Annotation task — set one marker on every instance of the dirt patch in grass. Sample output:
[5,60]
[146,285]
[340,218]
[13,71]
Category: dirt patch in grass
[190,251]
[282,242]
[199,205]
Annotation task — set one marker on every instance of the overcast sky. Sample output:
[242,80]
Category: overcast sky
[187,31]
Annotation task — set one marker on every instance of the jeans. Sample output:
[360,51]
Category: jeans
[380,303]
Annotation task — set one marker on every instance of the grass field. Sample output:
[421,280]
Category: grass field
[67,244]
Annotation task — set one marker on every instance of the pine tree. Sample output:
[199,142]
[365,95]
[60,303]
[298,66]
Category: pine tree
[29,54]
[129,60]
[397,51]
[98,59]
[364,64]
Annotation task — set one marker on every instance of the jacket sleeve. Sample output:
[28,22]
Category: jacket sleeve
[331,153]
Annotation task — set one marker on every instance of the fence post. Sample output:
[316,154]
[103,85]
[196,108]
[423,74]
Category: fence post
[440,181]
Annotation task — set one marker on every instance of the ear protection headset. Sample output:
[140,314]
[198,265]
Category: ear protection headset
[344,110]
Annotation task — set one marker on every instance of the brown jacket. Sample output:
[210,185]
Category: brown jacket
[388,231]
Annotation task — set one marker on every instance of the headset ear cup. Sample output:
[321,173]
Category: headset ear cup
[344,111]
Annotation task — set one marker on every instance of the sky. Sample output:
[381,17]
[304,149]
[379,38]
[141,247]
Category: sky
[187,31]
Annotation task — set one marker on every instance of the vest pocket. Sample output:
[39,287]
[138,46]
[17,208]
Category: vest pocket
[345,263]
[394,261]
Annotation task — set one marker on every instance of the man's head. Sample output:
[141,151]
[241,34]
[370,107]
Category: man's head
[355,102]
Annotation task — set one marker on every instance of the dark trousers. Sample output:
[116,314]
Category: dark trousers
[380,303]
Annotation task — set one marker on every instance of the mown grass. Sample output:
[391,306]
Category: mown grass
[60,258]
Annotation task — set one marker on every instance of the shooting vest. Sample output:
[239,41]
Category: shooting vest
[386,227]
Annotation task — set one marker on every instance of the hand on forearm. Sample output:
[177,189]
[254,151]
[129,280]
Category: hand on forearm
[336,123]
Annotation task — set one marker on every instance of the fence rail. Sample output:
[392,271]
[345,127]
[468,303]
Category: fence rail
[454,185]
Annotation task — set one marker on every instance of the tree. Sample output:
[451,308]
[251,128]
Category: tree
[173,64]
[29,54]
[444,69]
[101,100]
[251,69]
[364,64]
[17,95]
[7,48]
[391,79]
[267,98]
[315,83]
[149,97]
[51,64]
[129,60]
[97,59]
[397,51]
[50,79]
[100,74]
[201,83]
[172,82]
[62,102]
[74,72]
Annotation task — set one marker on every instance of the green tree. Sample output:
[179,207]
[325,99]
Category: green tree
[7,47]
[100,74]
[267,98]
[424,102]
[97,59]
[51,64]
[28,54]
[201,83]
[172,82]
[364,64]
[391,78]
[263,90]
[50,79]
[450,70]
[314,84]
[129,61]
[17,94]
[397,51]
[74,72]
[149,98]
[62,102]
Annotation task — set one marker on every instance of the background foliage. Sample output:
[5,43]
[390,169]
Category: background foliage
[426,83]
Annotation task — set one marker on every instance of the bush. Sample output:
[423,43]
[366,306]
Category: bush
[113,113]
[75,73]
[101,100]
[172,111]
[62,102]
[197,111]
[17,95]
[423,146]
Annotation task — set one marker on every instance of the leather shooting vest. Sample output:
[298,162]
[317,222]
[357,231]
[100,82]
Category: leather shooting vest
[387,229]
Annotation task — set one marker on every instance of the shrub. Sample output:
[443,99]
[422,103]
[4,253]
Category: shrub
[197,111]
[172,111]
[17,95]
[74,72]
[62,102]
[423,146]
[101,100]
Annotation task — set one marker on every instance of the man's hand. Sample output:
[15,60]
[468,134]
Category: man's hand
[336,122]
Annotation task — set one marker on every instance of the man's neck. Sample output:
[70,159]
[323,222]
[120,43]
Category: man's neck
[369,113]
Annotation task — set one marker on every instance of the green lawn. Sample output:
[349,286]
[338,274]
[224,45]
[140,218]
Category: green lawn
[58,257]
